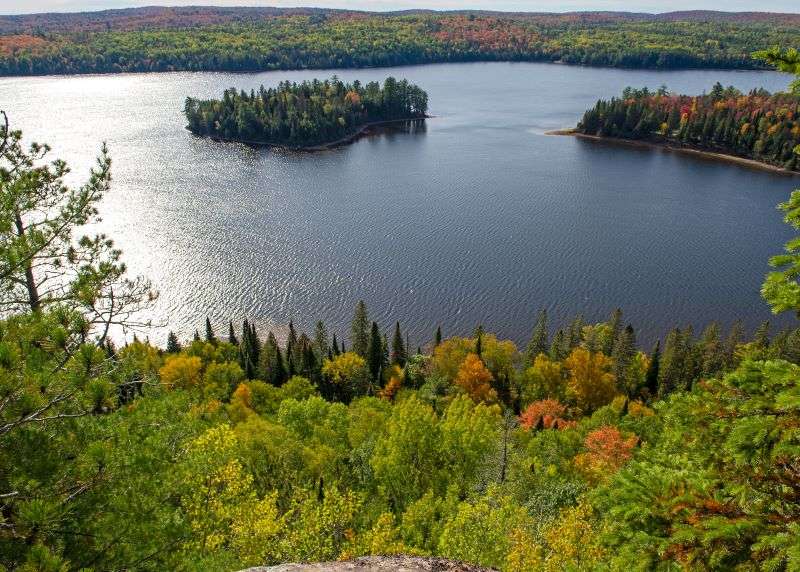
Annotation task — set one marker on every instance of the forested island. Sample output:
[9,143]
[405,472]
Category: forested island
[255,39]
[758,126]
[305,115]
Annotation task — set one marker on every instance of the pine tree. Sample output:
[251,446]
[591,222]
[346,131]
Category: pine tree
[321,345]
[651,377]
[558,349]
[615,326]
[624,351]
[232,335]
[671,366]
[210,337]
[399,355]
[479,341]
[271,367]
[761,335]
[334,346]
[538,342]
[575,335]
[713,356]
[732,342]
[375,352]
[306,360]
[293,352]
[359,331]
[196,337]
[173,345]
[437,338]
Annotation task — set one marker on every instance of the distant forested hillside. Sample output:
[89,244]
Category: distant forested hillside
[758,126]
[254,39]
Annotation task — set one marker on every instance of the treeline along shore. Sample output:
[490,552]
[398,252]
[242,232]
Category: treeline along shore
[759,129]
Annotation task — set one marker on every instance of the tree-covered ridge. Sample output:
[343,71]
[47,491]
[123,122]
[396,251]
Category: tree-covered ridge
[305,114]
[253,40]
[759,125]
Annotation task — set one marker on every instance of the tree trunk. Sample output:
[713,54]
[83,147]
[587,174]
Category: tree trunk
[33,292]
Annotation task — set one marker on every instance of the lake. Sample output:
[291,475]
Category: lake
[478,218]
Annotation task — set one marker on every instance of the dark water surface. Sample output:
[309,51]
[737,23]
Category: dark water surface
[478,218]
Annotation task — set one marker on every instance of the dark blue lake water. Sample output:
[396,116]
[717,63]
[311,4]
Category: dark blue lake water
[479,218]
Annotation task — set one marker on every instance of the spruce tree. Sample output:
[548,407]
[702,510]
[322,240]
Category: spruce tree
[761,335]
[538,342]
[334,346]
[575,334]
[615,327]
[196,337]
[558,349]
[622,354]
[479,341]
[671,365]
[271,362]
[437,338]
[359,330]
[232,339]
[173,345]
[321,345]
[732,343]
[375,352]
[713,354]
[399,355]
[651,377]
[210,337]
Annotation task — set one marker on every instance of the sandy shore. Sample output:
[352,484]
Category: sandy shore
[733,159]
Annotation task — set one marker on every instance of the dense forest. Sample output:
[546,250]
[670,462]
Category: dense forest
[306,114]
[167,39]
[579,451]
[759,125]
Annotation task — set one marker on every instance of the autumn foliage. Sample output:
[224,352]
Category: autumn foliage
[475,379]
[591,382]
[547,414]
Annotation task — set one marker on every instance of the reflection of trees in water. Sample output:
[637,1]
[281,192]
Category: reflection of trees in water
[392,131]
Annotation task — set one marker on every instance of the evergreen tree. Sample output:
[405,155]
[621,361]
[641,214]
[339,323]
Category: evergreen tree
[359,330]
[575,335]
[196,336]
[615,327]
[671,366]
[558,349]
[713,353]
[437,338]
[624,351]
[232,339]
[334,346]
[479,341]
[210,337]
[538,342]
[321,345]
[271,367]
[399,355]
[375,352]
[173,345]
[761,335]
[732,342]
[651,377]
